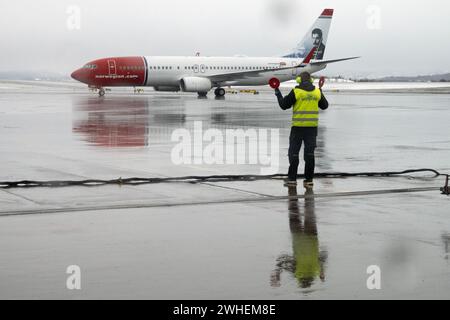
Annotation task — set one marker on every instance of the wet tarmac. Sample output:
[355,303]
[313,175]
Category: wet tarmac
[227,240]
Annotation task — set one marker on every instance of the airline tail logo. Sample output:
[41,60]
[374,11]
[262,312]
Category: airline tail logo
[315,38]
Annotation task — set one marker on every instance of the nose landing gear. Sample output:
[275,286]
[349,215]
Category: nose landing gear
[101,91]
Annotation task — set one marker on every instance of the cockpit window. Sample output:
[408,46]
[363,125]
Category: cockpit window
[90,66]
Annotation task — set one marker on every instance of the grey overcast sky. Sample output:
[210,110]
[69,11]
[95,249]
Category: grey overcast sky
[412,37]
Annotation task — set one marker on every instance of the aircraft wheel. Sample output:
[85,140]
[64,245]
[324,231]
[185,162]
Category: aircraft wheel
[219,92]
[202,94]
[101,92]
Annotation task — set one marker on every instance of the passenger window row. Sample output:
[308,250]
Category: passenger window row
[94,66]
[131,67]
[209,68]
[161,68]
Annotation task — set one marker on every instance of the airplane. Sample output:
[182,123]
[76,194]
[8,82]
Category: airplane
[201,74]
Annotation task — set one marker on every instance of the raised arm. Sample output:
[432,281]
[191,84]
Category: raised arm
[285,102]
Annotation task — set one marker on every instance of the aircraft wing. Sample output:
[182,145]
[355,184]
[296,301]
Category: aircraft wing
[231,76]
[321,62]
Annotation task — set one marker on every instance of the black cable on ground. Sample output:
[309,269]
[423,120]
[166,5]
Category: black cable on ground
[197,179]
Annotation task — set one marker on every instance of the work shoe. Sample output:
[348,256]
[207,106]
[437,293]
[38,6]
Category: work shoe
[308,184]
[290,183]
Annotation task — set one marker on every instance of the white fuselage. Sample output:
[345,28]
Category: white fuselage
[168,71]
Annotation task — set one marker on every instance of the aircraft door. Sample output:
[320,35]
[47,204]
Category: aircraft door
[112,67]
[202,68]
[196,69]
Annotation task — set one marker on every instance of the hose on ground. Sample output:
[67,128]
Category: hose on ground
[198,179]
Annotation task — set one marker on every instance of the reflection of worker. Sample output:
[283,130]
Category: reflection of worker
[306,100]
[307,264]
[317,37]
[446,239]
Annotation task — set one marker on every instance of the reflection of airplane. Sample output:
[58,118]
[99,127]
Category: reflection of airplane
[307,263]
[112,123]
[201,74]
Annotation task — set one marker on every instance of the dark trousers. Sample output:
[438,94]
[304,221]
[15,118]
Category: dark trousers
[298,136]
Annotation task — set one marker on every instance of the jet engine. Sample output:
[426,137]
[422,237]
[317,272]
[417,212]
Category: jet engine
[195,84]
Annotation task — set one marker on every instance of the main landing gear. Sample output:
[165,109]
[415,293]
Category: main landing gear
[101,92]
[219,92]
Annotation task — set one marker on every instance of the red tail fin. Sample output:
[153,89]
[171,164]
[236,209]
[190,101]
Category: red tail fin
[310,56]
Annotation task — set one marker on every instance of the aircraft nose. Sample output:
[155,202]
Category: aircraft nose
[79,75]
[76,75]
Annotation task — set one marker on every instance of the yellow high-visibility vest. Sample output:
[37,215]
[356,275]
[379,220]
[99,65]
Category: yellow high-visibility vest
[306,109]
